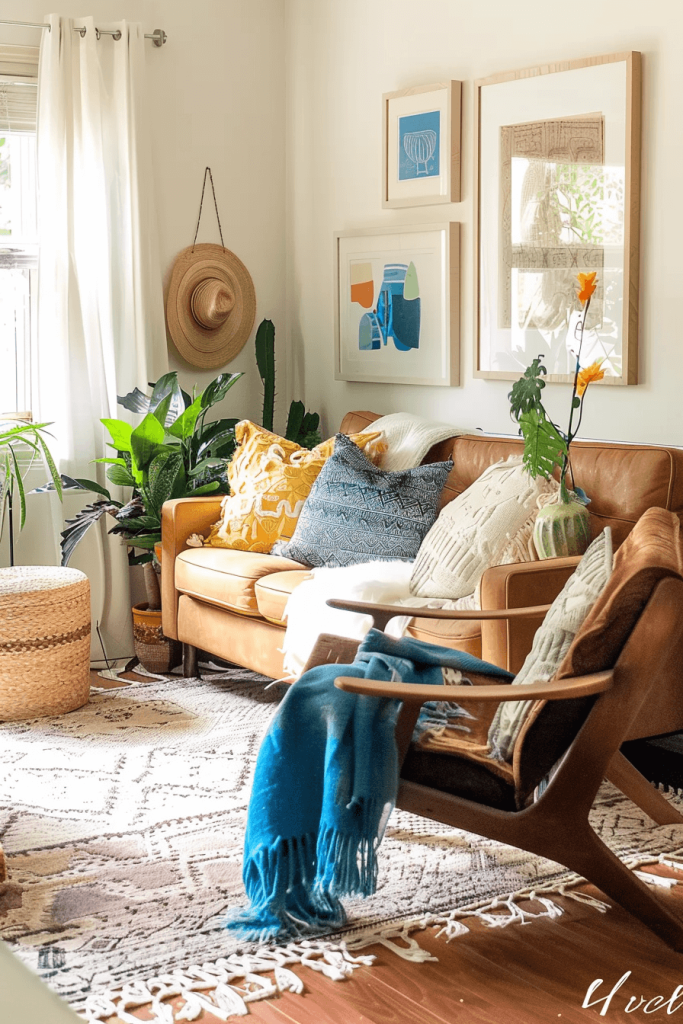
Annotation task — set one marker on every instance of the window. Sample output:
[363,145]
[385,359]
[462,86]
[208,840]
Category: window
[18,226]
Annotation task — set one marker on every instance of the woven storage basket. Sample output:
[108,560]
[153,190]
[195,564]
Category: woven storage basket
[44,641]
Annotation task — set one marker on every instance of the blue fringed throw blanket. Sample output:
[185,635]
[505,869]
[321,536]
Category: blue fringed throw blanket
[325,784]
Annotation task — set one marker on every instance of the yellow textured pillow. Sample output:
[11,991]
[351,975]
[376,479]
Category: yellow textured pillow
[270,479]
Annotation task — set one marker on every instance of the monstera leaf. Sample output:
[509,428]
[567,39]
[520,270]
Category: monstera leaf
[526,392]
[544,446]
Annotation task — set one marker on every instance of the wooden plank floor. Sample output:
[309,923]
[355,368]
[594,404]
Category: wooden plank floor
[522,974]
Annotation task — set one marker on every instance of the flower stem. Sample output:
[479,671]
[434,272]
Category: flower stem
[570,436]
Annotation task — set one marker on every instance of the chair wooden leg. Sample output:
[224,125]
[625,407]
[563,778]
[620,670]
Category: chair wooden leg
[637,788]
[596,862]
[190,662]
[561,836]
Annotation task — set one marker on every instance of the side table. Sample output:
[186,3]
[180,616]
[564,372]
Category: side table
[44,641]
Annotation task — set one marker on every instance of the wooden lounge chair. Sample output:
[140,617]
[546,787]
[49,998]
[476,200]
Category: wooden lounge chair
[614,684]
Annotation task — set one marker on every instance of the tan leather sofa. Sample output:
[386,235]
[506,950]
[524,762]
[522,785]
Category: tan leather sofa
[231,602]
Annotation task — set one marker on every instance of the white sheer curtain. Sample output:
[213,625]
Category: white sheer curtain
[100,307]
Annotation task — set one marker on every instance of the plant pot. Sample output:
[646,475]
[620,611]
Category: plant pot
[562,529]
[156,652]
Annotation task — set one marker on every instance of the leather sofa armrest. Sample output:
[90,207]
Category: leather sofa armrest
[507,642]
[180,518]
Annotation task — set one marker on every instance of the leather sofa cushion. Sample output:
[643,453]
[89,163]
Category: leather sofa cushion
[245,640]
[272,593]
[463,635]
[226,577]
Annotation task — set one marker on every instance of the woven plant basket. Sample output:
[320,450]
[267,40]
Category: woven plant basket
[44,641]
[156,652]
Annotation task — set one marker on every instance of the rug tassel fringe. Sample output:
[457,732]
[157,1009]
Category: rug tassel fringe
[225,999]
[335,960]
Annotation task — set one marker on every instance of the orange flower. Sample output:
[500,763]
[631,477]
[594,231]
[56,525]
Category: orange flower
[588,375]
[586,286]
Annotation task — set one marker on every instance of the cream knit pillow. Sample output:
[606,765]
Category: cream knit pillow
[553,639]
[491,523]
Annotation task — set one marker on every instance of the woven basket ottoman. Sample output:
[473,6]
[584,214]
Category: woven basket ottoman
[44,641]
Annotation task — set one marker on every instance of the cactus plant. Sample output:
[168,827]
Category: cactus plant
[265,360]
[302,426]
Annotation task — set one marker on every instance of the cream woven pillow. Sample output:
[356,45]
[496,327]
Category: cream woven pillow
[491,523]
[553,639]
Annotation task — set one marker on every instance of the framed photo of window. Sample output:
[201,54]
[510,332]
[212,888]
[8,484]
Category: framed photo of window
[421,145]
[558,182]
[397,304]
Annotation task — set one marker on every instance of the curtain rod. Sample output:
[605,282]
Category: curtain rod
[158,36]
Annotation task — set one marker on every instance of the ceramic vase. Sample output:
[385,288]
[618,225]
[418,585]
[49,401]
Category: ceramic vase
[562,529]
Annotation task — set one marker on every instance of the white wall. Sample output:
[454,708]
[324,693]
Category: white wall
[216,98]
[342,55]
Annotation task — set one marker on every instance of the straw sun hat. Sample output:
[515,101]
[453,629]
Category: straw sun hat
[211,305]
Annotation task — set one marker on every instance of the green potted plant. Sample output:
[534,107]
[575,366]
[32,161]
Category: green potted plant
[13,438]
[172,453]
[562,528]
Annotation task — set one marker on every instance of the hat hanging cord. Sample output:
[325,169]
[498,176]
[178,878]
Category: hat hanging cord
[201,201]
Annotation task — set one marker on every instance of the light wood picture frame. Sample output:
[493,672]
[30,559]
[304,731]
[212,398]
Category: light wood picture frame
[397,304]
[556,144]
[421,145]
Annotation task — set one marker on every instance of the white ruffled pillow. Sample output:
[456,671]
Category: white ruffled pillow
[491,523]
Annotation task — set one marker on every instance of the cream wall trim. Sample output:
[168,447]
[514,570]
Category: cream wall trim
[21,61]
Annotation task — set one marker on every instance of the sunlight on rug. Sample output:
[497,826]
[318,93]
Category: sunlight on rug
[122,824]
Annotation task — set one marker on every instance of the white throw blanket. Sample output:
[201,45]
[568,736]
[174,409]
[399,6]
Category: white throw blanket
[410,437]
[379,582]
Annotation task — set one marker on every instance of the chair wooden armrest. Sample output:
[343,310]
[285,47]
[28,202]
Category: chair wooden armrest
[384,612]
[418,693]
[180,518]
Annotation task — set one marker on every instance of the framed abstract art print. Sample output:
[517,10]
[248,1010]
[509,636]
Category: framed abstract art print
[558,195]
[421,145]
[397,305]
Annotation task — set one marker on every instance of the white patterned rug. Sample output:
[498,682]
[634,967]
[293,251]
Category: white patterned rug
[123,822]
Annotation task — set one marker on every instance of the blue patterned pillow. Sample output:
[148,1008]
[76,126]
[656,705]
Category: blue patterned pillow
[358,513]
